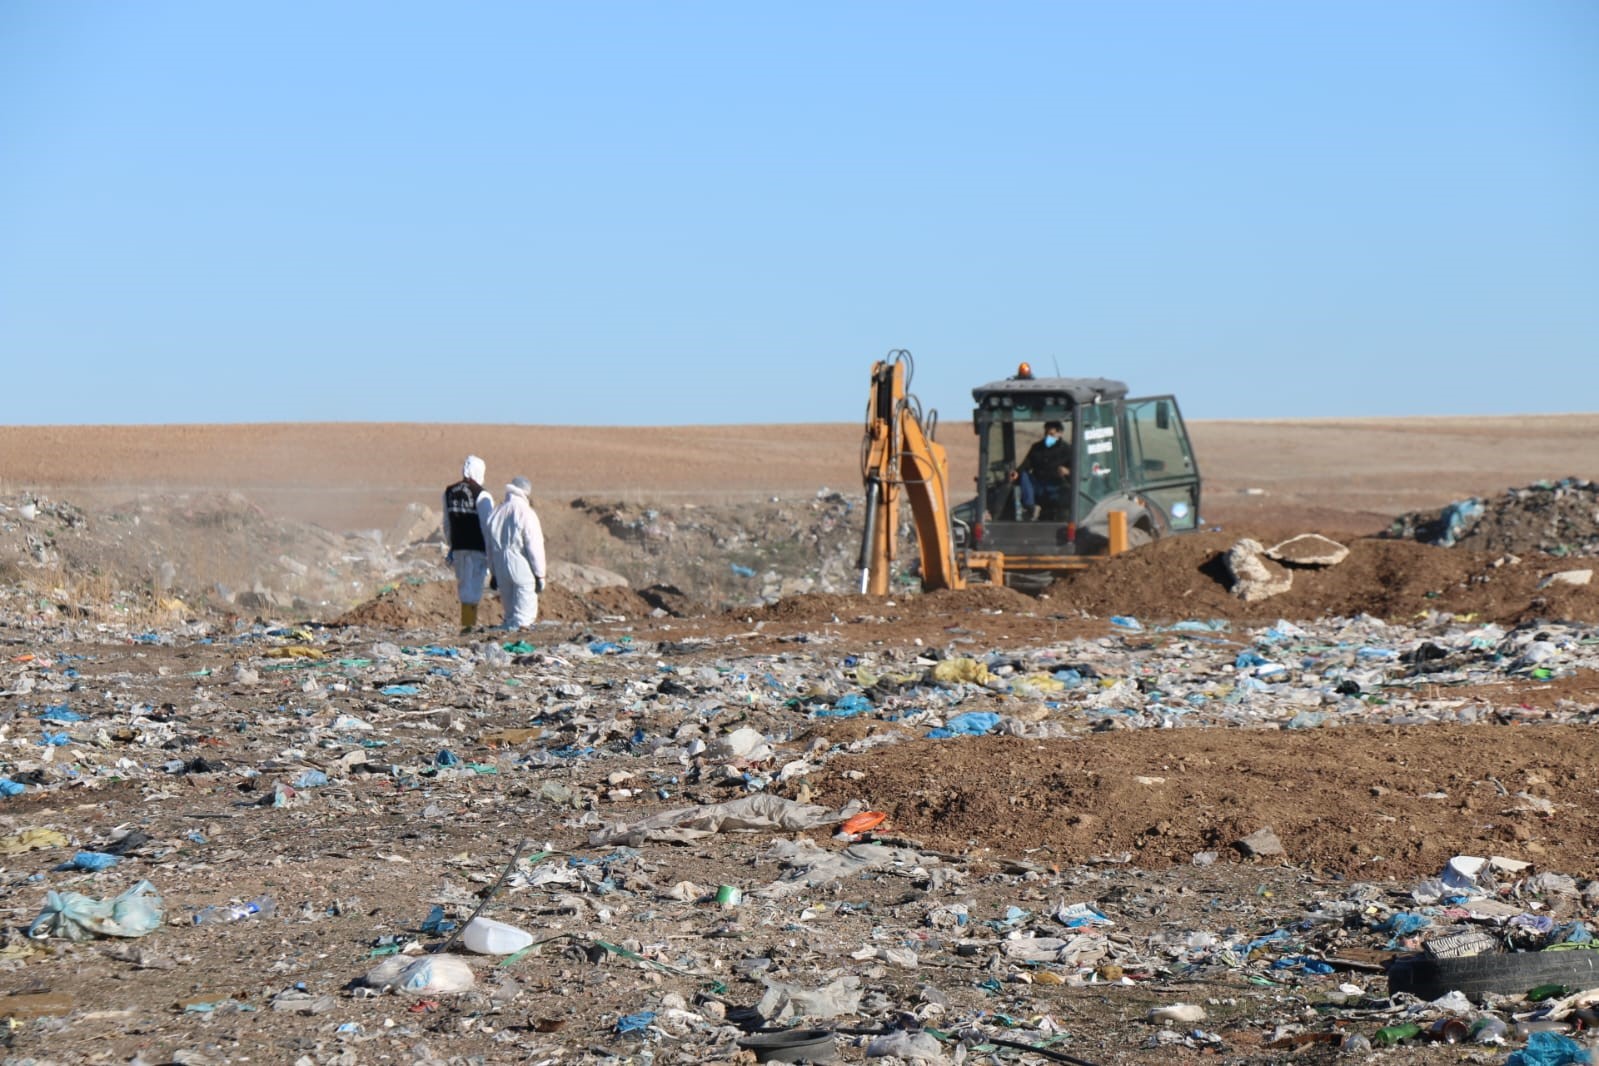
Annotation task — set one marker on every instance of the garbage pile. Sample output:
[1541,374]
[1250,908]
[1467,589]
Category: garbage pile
[735,553]
[183,553]
[975,832]
[1559,518]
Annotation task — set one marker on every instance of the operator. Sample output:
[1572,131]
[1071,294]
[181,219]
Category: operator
[1011,491]
[466,510]
[1046,471]
[516,545]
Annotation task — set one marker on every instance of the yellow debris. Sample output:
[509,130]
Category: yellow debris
[955,671]
[1036,685]
[295,651]
[32,840]
[509,737]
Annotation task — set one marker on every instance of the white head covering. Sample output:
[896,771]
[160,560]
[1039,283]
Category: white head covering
[473,469]
[519,486]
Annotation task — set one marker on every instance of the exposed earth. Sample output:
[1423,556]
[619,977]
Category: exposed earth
[157,581]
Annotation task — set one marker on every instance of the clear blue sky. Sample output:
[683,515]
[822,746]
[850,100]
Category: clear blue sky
[705,212]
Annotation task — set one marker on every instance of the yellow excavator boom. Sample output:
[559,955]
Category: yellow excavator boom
[901,460]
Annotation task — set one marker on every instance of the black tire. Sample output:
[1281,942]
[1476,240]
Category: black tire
[1029,583]
[1508,974]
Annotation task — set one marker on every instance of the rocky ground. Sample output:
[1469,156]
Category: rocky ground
[1134,819]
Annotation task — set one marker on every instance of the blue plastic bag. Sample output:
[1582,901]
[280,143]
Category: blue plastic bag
[635,1023]
[846,706]
[1548,1049]
[1404,922]
[970,724]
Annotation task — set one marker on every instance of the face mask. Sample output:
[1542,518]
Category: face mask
[1050,440]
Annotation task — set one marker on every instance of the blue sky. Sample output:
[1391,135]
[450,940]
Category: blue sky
[674,213]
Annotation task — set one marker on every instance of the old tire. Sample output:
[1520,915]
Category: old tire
[1510,974]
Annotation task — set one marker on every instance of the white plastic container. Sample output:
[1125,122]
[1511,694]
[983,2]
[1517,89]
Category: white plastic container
[489,937]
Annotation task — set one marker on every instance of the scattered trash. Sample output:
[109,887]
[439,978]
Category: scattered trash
[346,769]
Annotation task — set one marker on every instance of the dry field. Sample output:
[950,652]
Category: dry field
[1338,474]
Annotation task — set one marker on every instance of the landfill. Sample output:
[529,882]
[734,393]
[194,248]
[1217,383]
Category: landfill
[1136,818]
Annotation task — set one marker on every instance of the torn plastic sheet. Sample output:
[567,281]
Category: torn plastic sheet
[760,811]
[1080,950]
[783,1002]
[812,866]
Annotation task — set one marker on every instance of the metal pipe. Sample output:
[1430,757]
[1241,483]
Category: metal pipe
[874,489]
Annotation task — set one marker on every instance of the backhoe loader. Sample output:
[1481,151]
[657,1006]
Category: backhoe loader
[1069,470]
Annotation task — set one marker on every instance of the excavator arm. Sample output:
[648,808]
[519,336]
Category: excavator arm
[901,461]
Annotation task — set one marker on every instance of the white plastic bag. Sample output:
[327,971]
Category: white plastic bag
[430,973]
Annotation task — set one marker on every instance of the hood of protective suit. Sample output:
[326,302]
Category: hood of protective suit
[518,487]
[473,469]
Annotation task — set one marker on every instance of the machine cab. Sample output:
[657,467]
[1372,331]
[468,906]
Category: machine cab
[1056,455]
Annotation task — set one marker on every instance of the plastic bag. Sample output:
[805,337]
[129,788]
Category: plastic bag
[902,1044]
[970,724]
[1548,1049]
[430,973]
[956,671]
[783,1001]
[135,912]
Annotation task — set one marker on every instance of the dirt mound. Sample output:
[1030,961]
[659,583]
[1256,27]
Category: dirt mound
[1185,577]
[1368,802]
[433,604]
[985,598]
[819,607]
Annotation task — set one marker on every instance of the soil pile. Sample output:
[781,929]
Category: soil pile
[1186,577]
[434,605]
[1367,802]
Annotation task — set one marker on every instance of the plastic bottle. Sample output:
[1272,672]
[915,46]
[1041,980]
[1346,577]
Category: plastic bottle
[1525,1029]
[1489,1030]
[233,912]
[489,937]
[1390,1035]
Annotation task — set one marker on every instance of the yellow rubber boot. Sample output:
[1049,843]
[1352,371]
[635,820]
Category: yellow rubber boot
[468,616]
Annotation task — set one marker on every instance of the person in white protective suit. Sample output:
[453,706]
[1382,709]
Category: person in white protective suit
[516,552]
[466,515]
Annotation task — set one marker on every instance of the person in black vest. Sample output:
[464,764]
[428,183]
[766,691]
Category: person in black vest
[466,511]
